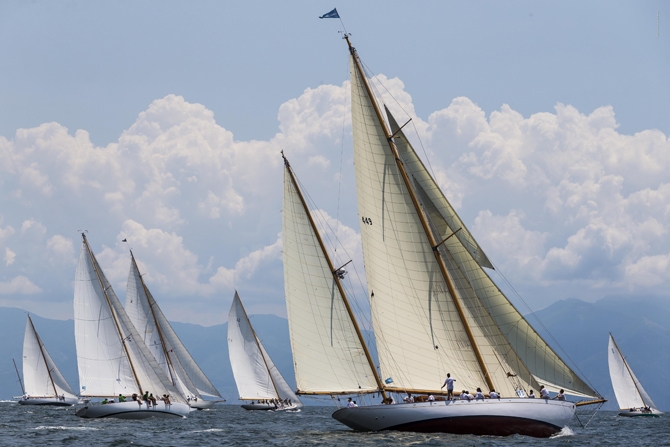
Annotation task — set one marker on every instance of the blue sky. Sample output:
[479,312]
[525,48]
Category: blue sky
[249,78]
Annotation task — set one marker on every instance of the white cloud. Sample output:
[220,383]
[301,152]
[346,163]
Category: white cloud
[9,257]
[61,249]
[19,285]
[31,226]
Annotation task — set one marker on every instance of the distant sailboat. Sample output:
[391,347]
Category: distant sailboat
[114,363]
[632,398]
[165,345]
[256,376]
[434,308]
[43,383]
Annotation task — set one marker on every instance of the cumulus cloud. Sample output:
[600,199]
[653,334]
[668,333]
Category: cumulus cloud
[19,285]
[559,199]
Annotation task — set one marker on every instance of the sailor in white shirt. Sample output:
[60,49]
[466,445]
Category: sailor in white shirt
[449,383]
[494,395]
[531,395]
[560,395]
[431,398]
[479,394]
[544,394]
[350,403]
[464,395]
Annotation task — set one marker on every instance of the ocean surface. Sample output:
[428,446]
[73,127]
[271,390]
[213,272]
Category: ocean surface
[312,426]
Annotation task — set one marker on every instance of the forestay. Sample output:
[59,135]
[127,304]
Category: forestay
[40,375]
[628,390]
[161,339]
[328,355]
[111,355]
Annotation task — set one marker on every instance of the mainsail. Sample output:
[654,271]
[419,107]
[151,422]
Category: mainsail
[329,354]
[628,390]
[162,340]
[255,374]
[111,355]
[40,374]
[434,308]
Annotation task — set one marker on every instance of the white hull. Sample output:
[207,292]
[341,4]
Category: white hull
[54,401]
[500,417]
[270,407]
[202,404]
[133,410]
[638,413]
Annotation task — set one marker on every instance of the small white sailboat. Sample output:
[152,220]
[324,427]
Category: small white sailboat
[256,376]
[434,308]
[43,383]
[114,363]
[165,345]
[632,398]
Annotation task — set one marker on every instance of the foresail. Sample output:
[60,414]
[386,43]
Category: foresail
[627,389]
[112,356]
[246,359]
[62,387]
[507,331]
[36,379]
[283,389]
[328,355]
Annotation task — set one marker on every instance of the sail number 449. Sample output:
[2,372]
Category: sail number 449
[366,220]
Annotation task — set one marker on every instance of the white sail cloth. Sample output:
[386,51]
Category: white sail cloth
[327,353]
[256,376]
[111,355]
[161,339]
[627,389]
[41,376]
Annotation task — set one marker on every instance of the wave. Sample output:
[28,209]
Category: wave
[565,431]
[62,427]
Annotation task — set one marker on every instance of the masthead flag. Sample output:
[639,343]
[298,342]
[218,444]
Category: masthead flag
[330,15]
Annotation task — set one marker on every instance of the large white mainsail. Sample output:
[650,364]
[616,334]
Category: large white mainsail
[162,340]
[434,309]
[41,376]
[256,376]
[627,388]
[111,355]
[328,352]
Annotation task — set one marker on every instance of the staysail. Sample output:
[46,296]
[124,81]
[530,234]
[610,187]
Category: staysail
[628,390]
[41,376]
[434,309]
[255,374]
[162,340]
[329,354]
[111,355]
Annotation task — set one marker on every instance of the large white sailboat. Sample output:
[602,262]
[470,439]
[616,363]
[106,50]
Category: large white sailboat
[165,345]
[114,363]
[43,383]
[632,398]
[434,308]
[256,376]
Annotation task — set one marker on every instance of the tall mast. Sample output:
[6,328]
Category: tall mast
[628,369]
[253,331]
[434,244]
[337,280]
[39,343]
[23,390]
[111,309]
[153,314]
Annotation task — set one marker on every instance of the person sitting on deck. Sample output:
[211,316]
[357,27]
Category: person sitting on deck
[544,394]
[122,398]
[479,394]
[350,403]
[560,395]
[408,399]
[493,395]
[464,395]
[104,401]
[531,395]
[431,398]
[166,399]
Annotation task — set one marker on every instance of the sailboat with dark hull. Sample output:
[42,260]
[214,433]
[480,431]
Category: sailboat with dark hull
[434,308]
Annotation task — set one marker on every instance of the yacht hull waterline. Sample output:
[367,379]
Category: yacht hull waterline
[539,418]
[133,410]
[51,401]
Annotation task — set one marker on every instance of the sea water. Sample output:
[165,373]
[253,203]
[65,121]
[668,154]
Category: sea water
[312,426]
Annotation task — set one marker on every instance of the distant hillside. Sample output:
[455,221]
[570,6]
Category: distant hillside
[641,328]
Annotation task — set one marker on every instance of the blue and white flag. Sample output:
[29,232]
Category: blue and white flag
[330,15]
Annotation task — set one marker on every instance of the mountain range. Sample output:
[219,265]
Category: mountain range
[578,331]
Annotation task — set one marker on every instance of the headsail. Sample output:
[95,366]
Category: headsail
[161,339]
[111,355]
[328,352]
[628,390]
[255,374]
[40,374]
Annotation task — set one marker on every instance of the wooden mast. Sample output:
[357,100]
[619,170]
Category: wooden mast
[113,312]
[39,343]
[337,279]
[274,385]
[153,314]
[422,218]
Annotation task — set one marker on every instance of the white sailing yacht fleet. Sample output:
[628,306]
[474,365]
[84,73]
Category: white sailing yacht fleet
[256,376]
[114,363]
[165,345]
[632,398]
[43,383]
[434,308]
